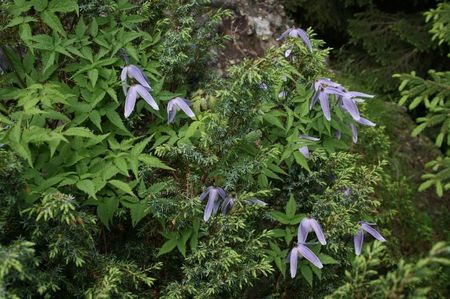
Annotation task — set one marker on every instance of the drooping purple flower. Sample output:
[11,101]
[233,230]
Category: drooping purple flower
[304,150]
[214,195]
[323,88]
[133,93]
[359,237]
[227,204]
[338,135]
[176,104]
[302,251]
[354,133]
[297,33]
[308,225]
[133,72]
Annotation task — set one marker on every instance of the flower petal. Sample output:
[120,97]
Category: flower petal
[123,78]
[293,259]
[209,207]
[373,232]
[366,122]
[309,255]
[304,151]
[302,34]
[138,74]
[283,35]
[184,105]
[303,230]
[318,230]
[130,101]
[227,205]
[287,53]
[146,96]
[221,193]
[310,138]
[350,107]
[358,241]
[204,194]
[323,98]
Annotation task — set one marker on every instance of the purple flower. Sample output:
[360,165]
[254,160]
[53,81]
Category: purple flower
[308,225]
[359,238]
[134,72]
[302,251]
[176,104]
[297,33]
[323,88]
[214,194]
[227,204]
[287,53]
[256,202]
[134,92]
[304,150]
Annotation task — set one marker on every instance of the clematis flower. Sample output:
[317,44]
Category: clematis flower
[176,104]
[302,251]
[133,93]
[287,53]
[359,238]
[227,204]
[214,194]
[323,88]
[297,33]
[304,150]
[308,225]
[134,72]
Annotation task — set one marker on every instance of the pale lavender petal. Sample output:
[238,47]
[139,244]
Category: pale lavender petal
[318,230]
[310,138]
[146,96]
[227,204]
[283,35]
[366,122]
[304,151]
[130,101]
[354,133]
[287,53]
[338,135]
[171,115]
[373,232]
[204,194]
[314,99]
[183,105]
[323,98]
[305,39]
[303,230]
[221,193]
[293,261]
[136,73]
[209,208]
[257,202]
[216,206]
[356,94]
[123,78]
[309,255]
[351,108]
[358,241]
[282,94]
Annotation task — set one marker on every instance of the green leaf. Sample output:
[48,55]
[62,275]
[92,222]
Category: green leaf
[327,260]
[94,28]
[122,186]
[106,210]
[138,211]
[167,247]
[63,5]
[87,186]
[52,21]
[301,160]
[307,273]
[273,120]
[291,207]
[93,76]
[114,117]
[79,132]
[280,217]
[153,162]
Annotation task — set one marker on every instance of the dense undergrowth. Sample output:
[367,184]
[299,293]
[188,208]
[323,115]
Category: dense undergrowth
[100,183]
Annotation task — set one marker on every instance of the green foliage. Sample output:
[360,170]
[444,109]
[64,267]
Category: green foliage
[420,279]
[432,93]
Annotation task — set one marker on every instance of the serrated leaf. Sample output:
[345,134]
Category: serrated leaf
[307,274]
[52,21]
[63,5]
[138,211]
[87,186]
[168,246]
[79,132]
[106,210]
[93,76]
[154,162]
[291,207]
[327,260]
[273,120]
[280,217]
[115,118]
[122,186]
